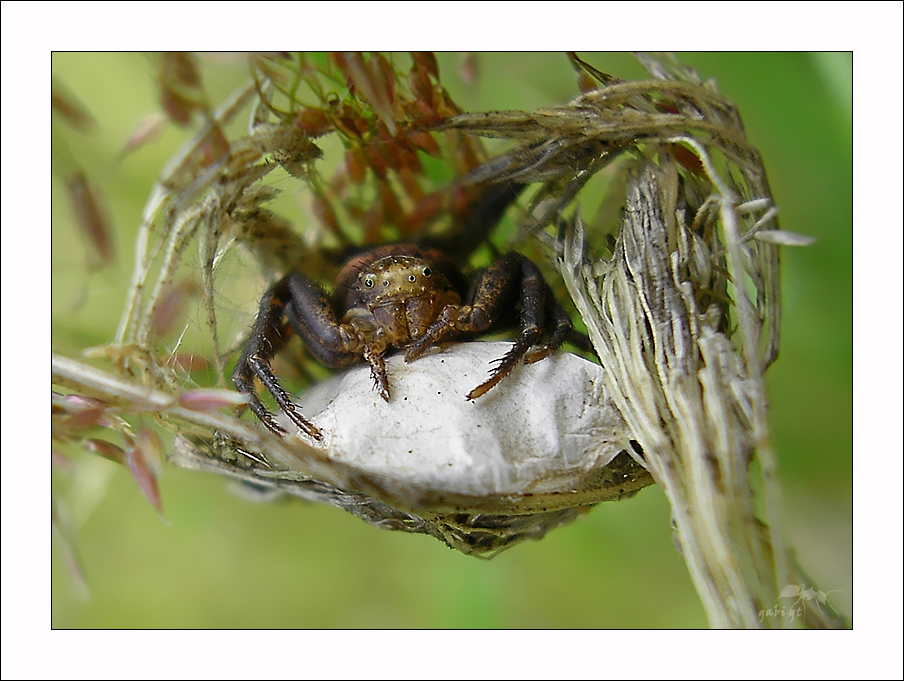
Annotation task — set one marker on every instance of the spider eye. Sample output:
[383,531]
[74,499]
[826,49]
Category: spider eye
[427,272]
[369,283]
[411,277]
[386,282]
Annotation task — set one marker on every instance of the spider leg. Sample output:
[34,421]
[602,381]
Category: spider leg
[263,371]
[268,336]
[579,340]
[336,345]
[561,331]
[377,370]
[438,330]
[314,319]
[503,368]
[481,217]
[491,298]
[246,386]
[516,274]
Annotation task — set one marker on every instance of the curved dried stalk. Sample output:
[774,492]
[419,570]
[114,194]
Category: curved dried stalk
[695,402]
[684,391]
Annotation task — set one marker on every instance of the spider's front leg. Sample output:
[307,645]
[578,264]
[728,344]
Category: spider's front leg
[515,278]
[511,281]
[268,336]
[310,314]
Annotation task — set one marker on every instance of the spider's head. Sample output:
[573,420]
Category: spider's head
[397,278]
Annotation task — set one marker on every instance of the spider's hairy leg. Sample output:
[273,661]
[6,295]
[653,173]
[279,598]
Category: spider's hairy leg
[335,344]
[561,328]
[377,370]
[283,399]
[268,336]
[492,296]
[314,319]
[444,324]
[516,277]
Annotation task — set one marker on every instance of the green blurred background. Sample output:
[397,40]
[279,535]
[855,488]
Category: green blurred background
[224,562]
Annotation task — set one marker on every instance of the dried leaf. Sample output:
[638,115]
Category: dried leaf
[426,143]
[426,61]
[75,403]
[443,105]
[85,418]
[80,412]
[325,214]
[211,399]
[355,164]
[588,70]
[177,106]
[313,121]
[368,81]
[340,61]
[403,157]
[180,87]
[375,160]
[172,306]
[143,473]
[586,82]
[422,88]
[688,159]
[106,449]
[349,123]
[146,131]
[783,238]
[179,68]
[70,108]
[386,76]
[411,183]
[215,146]
[267,64]
[151,447]
[92,217]
[469,70]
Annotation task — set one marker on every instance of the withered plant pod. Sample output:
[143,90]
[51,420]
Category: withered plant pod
[480,475]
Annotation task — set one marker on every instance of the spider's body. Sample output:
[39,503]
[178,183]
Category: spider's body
[400,289]
[402,297]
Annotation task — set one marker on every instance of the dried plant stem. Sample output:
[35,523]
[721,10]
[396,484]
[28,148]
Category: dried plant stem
[694,401]
[136,399]
[165,220]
